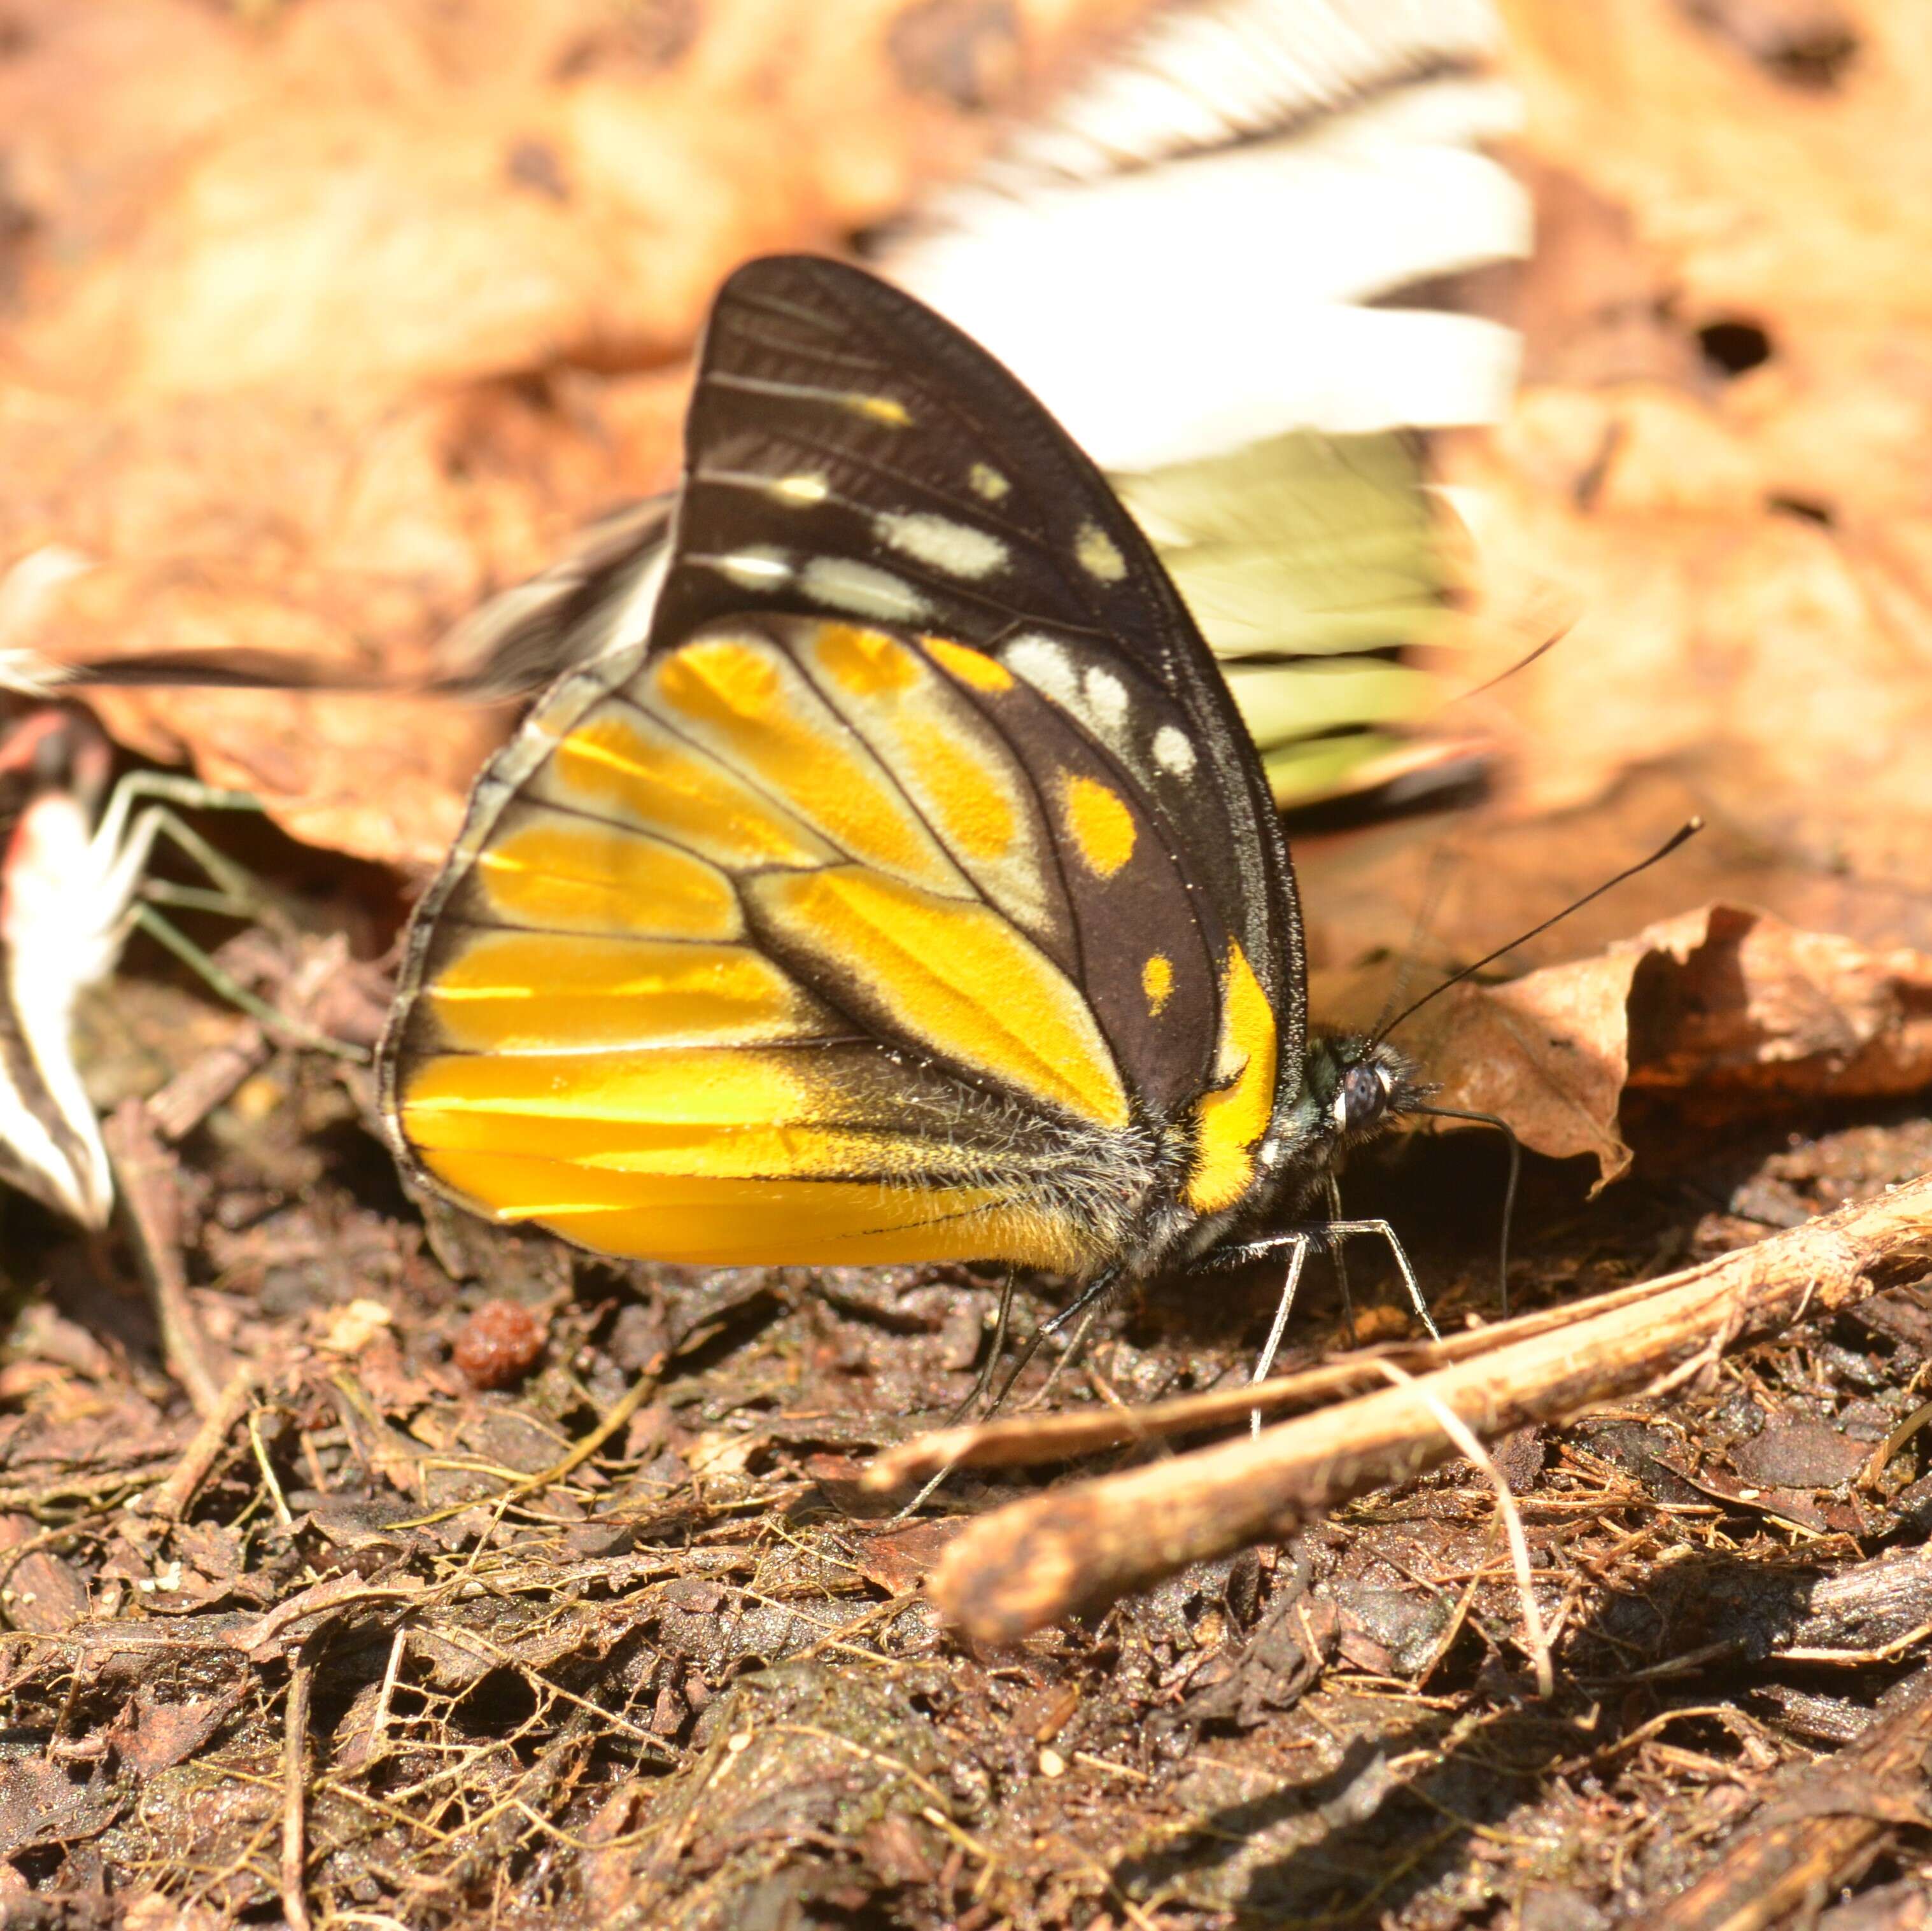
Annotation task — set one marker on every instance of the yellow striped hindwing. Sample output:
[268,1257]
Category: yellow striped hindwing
[773,945]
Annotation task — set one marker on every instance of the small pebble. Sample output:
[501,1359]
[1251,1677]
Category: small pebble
[500,1344]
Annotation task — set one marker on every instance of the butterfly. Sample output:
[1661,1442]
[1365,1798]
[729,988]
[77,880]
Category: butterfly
[909,891]
[1281,397]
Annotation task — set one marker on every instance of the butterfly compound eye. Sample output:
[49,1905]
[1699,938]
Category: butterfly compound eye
[1362,1099]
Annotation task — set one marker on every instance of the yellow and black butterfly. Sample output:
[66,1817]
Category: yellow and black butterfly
[910,892]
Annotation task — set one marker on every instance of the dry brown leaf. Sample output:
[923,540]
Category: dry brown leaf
[321,323]
[1752,555]
[1724,1006]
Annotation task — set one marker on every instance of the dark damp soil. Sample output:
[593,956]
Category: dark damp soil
[368,1636]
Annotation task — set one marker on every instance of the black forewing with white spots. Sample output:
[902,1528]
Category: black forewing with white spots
[850,454]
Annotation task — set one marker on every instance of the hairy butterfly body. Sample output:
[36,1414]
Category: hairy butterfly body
[910,892]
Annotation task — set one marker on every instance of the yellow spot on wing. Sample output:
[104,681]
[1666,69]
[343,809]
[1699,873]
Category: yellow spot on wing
[972,667]
[684,1085]
[710,1157]
[975,813]
[1100,556]
[867,662]
[961,776]
[1231,1121]
[1101,826]
[764,1222]
[615,763]
[1157,982]
[888,409]
[956,977]
[987,481]
[525,992]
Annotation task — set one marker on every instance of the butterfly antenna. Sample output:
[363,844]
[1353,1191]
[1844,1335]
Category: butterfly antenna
[1523,663]
[1508,1132]
[1686,831]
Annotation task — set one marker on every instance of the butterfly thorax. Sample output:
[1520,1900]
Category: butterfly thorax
[1352,1088]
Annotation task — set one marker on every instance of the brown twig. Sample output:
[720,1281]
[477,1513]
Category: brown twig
[1029,1564]
[169,1500]
[144,1179]
[1821,1831]
[294,1756]
[200,1086]
[1020,1440]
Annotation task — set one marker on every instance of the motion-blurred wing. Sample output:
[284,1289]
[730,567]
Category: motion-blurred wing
[1236,262]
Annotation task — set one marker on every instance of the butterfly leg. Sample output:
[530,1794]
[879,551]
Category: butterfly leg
[1341,1264]
[1074,1349]
[1089,1302]
[1090,1297]
[122,840]
[121,845]
[225,986]
[990,1366]
[1341,1229]
[1264,1360]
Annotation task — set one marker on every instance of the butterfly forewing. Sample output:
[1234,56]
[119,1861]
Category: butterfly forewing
[849,452]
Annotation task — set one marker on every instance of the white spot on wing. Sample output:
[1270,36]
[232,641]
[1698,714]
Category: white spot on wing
[1106,700]
[1100,556]
[1173,752]
[1100,697]
[987,481]
[801,490]
[862,589]
[1046,666]
[957,548]
[753,569]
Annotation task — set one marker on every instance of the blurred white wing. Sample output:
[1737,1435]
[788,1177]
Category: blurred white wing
[1236,258]
[1230,260]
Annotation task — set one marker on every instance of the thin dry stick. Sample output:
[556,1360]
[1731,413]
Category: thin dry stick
[1459,1432]
[1018,1441]
[170,1499]
[1821,1830]
[1079,1547]
[295,1756]
[144,1176]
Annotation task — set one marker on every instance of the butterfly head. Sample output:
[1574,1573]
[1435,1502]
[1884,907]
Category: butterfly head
[1353,1088]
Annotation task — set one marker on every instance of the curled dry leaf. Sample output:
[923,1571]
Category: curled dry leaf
[1724,1006]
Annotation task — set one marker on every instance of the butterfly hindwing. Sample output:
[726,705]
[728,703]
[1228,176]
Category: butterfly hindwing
[681,993]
